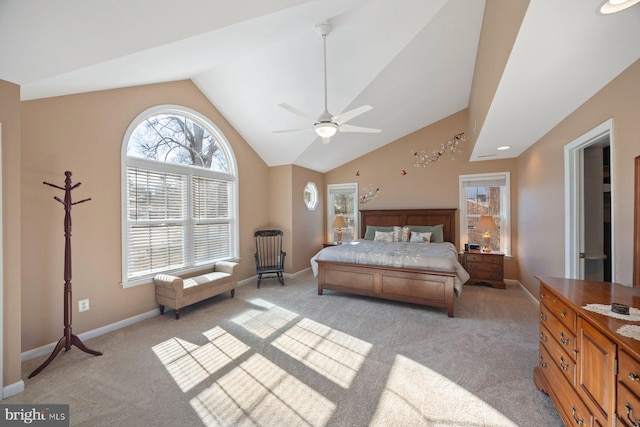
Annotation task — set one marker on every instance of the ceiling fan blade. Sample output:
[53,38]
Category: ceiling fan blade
[349,128]
[348,115]
[291,130]
[297,112]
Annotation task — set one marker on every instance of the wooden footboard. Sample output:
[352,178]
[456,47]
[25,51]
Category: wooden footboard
[431,288]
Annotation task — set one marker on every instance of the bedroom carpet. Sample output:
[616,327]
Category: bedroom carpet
[284,356]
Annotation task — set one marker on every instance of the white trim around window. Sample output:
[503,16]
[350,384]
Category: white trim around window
[189,173]
[496,179]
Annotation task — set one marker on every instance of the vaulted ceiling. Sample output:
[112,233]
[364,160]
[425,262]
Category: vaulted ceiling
[412,60]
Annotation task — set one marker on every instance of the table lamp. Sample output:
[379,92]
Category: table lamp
[339,223]
[486,224]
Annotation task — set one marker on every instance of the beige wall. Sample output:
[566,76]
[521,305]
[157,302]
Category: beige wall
[302,228]
[435,186]
[280,208]
[84,133]
[541,184]
[11,243]
[308,226]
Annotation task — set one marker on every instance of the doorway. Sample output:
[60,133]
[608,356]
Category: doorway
[589,191]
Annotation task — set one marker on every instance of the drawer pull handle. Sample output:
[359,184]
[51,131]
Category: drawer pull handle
[564,340]
[543,316]
[543,295]
[543,337]
[542,363]
[575,352]
[629,413]
[563,366]
[575,418]
[633,377]
[563,314]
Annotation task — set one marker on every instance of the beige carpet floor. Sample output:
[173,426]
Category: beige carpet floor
[284,356]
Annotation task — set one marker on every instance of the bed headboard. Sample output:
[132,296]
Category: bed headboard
[391,217]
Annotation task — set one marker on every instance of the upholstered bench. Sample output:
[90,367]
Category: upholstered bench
[176,292]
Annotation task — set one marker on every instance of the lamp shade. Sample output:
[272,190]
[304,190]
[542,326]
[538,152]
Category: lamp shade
[339,222]
[486,223]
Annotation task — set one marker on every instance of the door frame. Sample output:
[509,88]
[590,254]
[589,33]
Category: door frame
[574,188]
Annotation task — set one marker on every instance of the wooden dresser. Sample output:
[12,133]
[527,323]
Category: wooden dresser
[591,372]
[485,267]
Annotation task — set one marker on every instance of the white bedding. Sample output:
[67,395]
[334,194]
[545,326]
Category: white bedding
[427,256]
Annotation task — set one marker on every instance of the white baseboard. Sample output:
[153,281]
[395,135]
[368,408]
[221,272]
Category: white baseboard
[48,348]
[517,282]
[13,389]
[301,272]
[254,279]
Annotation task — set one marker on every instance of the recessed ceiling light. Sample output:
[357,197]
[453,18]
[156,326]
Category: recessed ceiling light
[613,6]
[506,147]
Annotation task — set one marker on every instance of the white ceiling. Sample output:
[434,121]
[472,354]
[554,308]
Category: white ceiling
[412,60]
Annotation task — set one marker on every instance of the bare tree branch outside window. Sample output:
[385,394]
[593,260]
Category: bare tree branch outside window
[177,139]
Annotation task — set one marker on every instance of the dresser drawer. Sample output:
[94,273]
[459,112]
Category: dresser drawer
[480,266]
[629,372]
[628,406]
[562,311]
[559,357]
[485,258]
[570,407]
[479,274]
[558,331]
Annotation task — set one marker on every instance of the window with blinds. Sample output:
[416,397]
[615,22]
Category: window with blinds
[179,195]
[485,194]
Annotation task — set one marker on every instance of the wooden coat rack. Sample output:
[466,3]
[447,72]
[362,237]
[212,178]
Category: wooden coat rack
[68,339]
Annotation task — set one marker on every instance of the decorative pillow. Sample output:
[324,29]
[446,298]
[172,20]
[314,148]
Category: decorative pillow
[401,234]
[406,233]
[383,236]
[370,232]
[437,235]
[417,237]
[397,233]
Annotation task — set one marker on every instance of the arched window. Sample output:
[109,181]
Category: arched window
[179,195]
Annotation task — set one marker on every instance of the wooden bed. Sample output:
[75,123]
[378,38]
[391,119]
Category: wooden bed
[431,288]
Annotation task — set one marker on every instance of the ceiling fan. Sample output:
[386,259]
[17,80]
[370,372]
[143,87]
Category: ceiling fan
[326,125]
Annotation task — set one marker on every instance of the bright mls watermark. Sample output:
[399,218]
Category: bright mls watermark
[34,415]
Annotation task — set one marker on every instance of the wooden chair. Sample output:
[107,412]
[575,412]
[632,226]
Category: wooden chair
[269,255]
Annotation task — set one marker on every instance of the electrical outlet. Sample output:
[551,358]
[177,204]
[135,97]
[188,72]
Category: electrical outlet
[83,305]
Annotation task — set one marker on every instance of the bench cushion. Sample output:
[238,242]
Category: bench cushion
[176,292]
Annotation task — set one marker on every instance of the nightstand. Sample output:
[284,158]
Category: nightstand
[327,244]
[485,268]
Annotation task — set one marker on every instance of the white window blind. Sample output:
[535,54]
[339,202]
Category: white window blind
[156,206]
[211,211]
[484,181]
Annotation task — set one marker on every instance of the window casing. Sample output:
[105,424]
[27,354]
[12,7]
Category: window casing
[179,195]
[485,194]
[342,199]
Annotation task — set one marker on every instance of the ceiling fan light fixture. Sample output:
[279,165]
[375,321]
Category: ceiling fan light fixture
[325,130]
[613,6]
